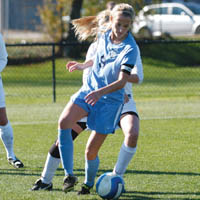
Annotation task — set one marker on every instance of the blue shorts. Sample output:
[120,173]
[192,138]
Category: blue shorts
[102,117]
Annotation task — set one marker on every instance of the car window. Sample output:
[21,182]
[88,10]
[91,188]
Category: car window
[178,11]
[157,11]
[164,10]
[195,8]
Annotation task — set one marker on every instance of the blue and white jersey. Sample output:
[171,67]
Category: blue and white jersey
[110,59]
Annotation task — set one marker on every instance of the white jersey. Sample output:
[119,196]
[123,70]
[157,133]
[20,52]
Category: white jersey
[138,70]
[3,62]
[89,56]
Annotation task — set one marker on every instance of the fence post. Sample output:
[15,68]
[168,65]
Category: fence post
[53,73]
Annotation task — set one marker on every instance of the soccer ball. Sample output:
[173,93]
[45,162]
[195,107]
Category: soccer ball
[109,186]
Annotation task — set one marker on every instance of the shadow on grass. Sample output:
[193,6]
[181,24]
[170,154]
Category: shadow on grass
[162,173]
[134,195]
[27,171]
[140,195]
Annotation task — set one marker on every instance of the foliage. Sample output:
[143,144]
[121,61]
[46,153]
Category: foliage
[90,6]
[51,14]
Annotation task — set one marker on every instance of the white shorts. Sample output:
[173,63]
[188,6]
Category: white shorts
[2,95]
[130,106]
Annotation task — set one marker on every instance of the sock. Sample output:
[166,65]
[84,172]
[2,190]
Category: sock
[66,150]
[125,155]
[6,134]
[50,167]
[91,168]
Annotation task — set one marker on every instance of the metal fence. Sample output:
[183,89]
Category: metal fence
[36,73]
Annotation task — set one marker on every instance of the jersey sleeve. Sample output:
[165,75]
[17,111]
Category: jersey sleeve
[91,51]
[138,68]
[129,61]
[3,54]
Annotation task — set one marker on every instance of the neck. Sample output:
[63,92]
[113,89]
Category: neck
[116,40]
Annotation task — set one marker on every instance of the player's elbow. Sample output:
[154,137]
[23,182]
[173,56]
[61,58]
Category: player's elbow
[122,83]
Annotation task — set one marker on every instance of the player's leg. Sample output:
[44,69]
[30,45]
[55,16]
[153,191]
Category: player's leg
[91,160]
[70,115]
[6,132]
[53,161]
[104,123]
[130,126]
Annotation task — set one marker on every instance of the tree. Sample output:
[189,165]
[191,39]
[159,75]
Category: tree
[51,14]
[74,14]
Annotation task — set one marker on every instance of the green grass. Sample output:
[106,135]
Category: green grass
[166,165]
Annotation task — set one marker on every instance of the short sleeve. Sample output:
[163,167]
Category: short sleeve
[129,60]
[138,69]
[91,51]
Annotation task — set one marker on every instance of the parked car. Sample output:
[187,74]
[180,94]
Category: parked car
[175,19]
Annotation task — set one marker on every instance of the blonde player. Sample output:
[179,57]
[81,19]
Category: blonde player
[129,114]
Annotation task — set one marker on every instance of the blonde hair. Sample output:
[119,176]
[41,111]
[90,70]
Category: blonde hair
[91,26]
[125,9]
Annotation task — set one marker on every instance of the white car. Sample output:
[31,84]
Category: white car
[175,19]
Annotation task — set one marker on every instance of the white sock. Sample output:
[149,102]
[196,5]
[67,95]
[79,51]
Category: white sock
[6,134]
[50,168]
[125,155]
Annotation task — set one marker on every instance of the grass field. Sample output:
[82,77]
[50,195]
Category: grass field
[166,164]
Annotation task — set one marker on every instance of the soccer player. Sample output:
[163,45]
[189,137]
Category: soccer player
[103,90]
[130,127]
[6,132]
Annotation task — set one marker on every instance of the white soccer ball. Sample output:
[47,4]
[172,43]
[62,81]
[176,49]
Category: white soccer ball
[109,186]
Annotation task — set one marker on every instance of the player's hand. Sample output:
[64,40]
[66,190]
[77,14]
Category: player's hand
[92,97]
[73,65]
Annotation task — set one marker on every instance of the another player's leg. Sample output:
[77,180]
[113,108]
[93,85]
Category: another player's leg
[91,161]
[130,126]
[6,134]
[53,161]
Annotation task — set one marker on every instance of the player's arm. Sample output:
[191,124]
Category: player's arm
[3,54]
[137,75]
[124,74]
[133,78]
[73,65]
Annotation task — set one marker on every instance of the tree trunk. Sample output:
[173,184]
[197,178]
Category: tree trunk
[75,13]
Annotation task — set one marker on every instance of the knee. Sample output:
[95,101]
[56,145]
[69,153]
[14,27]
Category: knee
[90,155]
[63,123]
